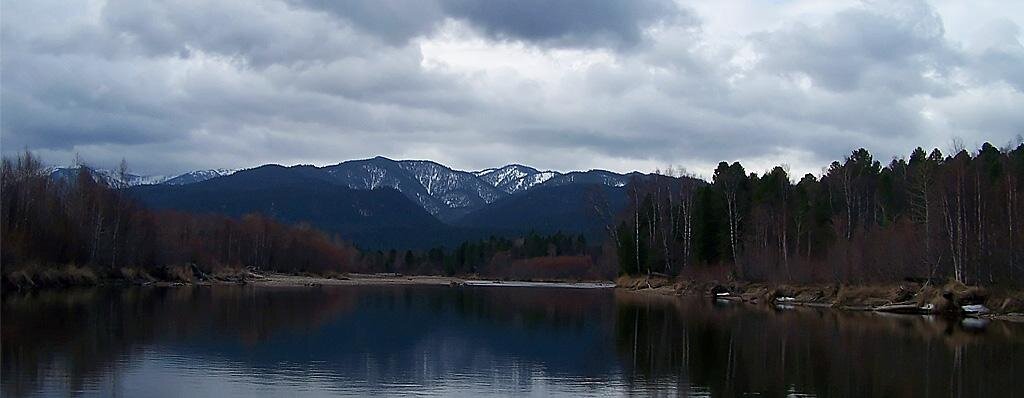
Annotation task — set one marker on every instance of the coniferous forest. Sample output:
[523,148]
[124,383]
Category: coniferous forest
[927,217]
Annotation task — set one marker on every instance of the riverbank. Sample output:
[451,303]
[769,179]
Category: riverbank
[905,298]
[396,279]
[71,276]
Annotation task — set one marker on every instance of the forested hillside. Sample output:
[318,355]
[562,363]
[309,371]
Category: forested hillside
[302,194]
[548,209]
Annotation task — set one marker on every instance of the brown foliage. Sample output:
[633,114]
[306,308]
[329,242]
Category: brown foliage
[542,268]
[48,223]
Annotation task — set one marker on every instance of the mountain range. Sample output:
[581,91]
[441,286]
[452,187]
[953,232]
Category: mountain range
[114,178]
[384,203]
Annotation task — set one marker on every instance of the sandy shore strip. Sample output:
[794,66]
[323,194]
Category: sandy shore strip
[571,285]
[394,279]
[347,280]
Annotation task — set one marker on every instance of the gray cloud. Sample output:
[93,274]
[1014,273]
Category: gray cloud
[259,33]
[606,22]
[866,47]
[396,21]
[1002,56]
[624,85]
[609,23]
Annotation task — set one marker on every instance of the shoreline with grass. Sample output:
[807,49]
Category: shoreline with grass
[32,278]
[915,298]
[948,298]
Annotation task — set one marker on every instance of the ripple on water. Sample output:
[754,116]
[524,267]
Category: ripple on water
[488,340]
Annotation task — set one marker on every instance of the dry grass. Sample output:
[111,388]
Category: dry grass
[43,276]
[642,282]
[336,275]
[229,274]
[177,273]
[947,297]
[862,296]
[134,275]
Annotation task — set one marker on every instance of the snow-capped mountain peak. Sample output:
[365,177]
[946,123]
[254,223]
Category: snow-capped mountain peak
[506,174]
[442,191]
[110,177]
[437,188]
[114,178]
[515,178]
[198,176]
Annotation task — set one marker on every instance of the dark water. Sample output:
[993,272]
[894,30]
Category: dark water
[434,340]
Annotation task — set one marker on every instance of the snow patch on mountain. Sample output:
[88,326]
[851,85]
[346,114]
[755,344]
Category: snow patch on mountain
[602,177]
[108,177]
[115,179]
[198,176]
[435,187]
[442,191]
[515,178]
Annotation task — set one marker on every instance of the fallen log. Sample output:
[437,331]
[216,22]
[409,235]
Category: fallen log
[906,309]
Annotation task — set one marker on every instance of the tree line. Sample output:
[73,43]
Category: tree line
[495,256]
[930,216]
[83,222]
[91,223]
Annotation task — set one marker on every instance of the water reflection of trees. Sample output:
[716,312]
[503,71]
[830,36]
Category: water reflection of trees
[374,332]
[86,333]
[423,335]
[379,335]
[670,343]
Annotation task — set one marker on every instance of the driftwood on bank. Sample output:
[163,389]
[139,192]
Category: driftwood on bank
[906,308]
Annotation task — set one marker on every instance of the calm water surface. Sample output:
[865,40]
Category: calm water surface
[468,341]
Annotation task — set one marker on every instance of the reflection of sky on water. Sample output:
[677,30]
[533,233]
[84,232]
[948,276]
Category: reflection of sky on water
[429,340]
[218,377]
[411,346]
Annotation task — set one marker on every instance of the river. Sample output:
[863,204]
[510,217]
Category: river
[241,341]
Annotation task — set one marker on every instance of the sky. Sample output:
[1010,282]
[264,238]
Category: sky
[172,86]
